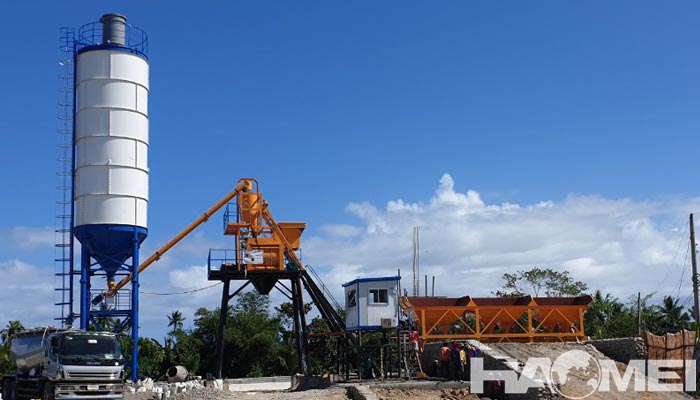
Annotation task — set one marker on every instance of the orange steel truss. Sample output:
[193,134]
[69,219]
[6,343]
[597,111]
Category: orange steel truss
[519,319]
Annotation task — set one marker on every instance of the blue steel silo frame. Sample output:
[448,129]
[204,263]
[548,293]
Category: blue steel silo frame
[93,237]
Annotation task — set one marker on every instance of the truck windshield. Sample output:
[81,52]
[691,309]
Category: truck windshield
[92,346]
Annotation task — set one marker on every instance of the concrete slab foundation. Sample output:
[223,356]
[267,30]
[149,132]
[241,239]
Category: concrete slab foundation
[272,383]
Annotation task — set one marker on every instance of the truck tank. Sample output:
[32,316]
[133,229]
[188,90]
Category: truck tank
[27,349]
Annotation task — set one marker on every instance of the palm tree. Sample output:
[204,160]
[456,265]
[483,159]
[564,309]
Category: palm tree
[176,320]
[673,318]
[10,330]
[601,312]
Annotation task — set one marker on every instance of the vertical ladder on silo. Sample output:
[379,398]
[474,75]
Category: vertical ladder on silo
[63,250]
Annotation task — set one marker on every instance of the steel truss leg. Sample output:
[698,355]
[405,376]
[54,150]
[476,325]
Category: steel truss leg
[223,314]
[300,329]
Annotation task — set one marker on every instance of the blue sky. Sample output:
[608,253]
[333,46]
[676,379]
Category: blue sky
[341,108]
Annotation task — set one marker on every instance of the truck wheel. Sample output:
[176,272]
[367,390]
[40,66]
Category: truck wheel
[48,392]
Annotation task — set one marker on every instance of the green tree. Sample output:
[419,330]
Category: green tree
[6,365]
[252,340]
[322,349]
[285,313]
[540,282]
[181,347]
[176,320]
[151,357]
[186,351]
[6,334]
[10,330]
[673,318]
[607,317]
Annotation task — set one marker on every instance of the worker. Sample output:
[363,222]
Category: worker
[464,362]
[456,361]
[465,354]
[403,320]
[445,361]
[497,328]
[413,340]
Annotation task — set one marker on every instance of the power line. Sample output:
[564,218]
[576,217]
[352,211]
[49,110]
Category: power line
[185,292]
[681,240]
[685,264]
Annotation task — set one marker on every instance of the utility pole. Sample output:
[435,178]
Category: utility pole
[694,263]
[639,313]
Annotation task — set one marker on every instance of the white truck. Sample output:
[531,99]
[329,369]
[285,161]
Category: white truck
[56,364]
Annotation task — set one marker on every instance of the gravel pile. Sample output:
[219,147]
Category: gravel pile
[195,390]
[147,389]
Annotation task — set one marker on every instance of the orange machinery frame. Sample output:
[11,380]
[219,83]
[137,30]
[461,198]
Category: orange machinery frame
[519,319]
[258,231]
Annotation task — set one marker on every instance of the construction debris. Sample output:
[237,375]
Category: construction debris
[198,389]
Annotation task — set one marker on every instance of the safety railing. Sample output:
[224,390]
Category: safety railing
[324,288]
[91,35]
[230,214]
[219,257]
[121,301]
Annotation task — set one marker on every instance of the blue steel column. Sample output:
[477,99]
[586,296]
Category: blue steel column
[84,287]
[135,309]
[72,190]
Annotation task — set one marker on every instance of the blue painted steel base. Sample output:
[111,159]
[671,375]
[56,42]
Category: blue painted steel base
[111,246]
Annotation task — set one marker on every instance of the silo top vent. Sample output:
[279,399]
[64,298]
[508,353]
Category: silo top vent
[112,32]
[113,29]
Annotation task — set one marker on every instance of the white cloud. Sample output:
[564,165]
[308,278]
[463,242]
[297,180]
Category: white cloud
[342,230]
[190,278]
[617,245]
[27,238]
[26,293]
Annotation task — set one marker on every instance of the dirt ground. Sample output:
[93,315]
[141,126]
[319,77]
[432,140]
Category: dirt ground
[576,386]
[423,394]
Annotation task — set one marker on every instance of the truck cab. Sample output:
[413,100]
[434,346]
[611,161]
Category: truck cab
[84,363]
[65,364]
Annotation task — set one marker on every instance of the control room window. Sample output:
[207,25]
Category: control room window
[352,301]
[378,296]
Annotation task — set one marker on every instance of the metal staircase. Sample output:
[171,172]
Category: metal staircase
[63,250]
[323,298]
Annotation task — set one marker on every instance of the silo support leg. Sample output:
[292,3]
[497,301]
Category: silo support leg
[84,288]
[135,311]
